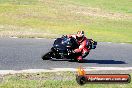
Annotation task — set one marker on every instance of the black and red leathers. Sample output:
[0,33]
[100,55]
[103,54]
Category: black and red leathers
[82,47]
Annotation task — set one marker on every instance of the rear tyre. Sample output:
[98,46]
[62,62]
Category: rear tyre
[80,61]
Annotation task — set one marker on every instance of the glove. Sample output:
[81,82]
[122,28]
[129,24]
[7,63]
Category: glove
[73,51]
[76,50]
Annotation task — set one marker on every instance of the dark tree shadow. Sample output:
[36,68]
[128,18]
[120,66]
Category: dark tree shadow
[104,61]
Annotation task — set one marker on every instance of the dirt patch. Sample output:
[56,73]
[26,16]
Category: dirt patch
[17,31]
[97,12]
[84,10]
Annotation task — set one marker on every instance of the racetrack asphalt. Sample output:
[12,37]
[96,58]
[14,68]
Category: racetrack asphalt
[20,54]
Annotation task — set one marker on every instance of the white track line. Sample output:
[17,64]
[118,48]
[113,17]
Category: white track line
[39,38]
[123,43]
[109,42]
[13,37]
[109,68]
[64,69]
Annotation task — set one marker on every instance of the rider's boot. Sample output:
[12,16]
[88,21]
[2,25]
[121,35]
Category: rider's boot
[79,59]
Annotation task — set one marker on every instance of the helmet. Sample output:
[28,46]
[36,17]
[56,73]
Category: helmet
[80,35]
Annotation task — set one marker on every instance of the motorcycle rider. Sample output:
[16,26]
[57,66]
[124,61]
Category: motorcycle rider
[83,42]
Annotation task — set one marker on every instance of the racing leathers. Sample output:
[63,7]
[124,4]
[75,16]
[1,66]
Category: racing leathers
[83,49]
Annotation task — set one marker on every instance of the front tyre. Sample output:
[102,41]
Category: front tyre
[47,56]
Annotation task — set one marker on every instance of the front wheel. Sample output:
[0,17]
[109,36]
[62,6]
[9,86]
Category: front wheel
[47,56]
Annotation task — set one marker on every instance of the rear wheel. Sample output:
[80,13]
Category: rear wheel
[47,56]
[80,61]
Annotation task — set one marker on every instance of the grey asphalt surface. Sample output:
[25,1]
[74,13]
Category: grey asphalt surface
[20,54]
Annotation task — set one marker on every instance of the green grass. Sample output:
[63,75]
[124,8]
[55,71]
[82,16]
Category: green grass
[121,6]
[100,19]
[50,80]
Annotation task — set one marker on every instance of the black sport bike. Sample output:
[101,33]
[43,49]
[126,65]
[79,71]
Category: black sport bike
[63,48]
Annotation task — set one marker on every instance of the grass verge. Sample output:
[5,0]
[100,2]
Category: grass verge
[50,80]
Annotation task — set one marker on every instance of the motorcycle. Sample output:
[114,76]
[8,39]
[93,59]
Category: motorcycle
[63,48]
